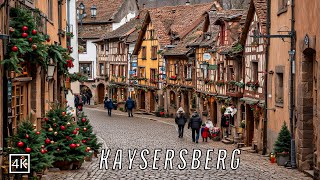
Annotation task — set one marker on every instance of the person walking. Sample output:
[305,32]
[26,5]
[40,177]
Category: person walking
[88,98]
[84,99]
[108,104]
[180,121]
[129,106]
[195,125]
[76,100]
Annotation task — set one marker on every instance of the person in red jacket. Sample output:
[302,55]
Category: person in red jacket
[204,133]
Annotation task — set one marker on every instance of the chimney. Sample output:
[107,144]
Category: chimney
[217,5]
[187,2]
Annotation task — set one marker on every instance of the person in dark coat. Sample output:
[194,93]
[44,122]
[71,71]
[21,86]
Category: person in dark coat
[108,104]
[129,106]
[84,99]
[195,123]
[76,101]
[88,98]
[180,121]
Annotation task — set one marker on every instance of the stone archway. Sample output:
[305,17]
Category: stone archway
[100,90]
[307,108]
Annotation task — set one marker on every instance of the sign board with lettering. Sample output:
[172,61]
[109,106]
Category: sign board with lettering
[206,56]
[134,64]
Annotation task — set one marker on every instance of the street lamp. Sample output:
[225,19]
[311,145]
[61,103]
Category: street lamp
[81,12]
[50,71]
[93,11]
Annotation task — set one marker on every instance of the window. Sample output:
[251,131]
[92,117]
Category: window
[101,47]
[154,52]
[142,72]
[279,88]
[121,71]
[176,69]
[222,34]
[82,46]
[205,72]
[119,48]
[113,69]
[107,46]
[172,98]
[153,73]
[101,69]
[50,9]
[86,69]
[144,52]
[282,6]
[231,75]
[220,72]
[188,71]
[151,34]
[254,74]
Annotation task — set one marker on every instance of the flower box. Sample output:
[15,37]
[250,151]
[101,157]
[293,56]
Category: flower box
[173,78]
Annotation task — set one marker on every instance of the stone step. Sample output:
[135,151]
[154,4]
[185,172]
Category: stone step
[225,141]
[240,145]
[252,151]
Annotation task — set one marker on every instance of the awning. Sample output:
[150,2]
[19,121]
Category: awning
[249,100]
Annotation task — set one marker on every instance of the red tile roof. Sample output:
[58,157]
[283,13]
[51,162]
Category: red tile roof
[106,9]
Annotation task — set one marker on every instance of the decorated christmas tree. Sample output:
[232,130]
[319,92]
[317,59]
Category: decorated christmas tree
[89,138]
[62,136]
[283,142]
[28,140]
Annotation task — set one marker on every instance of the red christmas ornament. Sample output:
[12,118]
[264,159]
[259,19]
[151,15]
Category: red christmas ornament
[43,151]
[77,129]
[74,132]
[88,139]
[46,150]
[20,144]
[63,113]
[55,125]
[38,133]
[84,129]
[48,40]
[84,141]
[87,150]
[34,32]
[84,120]
[62,128]
[73,146]
[28,150]
[11,29]
[14,49]
[24,28]
[30,39]
[34,46]
[67,137]
[47,141]
[27,136]
[45,119]
[24,35]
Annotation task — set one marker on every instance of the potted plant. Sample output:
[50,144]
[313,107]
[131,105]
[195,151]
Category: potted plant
[242,126]
[282,145]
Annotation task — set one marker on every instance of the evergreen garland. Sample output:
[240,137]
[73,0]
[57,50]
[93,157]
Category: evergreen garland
[283,142]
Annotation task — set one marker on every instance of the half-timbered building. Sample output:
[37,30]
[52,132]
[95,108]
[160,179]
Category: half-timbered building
[251,110]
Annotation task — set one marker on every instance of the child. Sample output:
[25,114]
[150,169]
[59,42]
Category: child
[204,133]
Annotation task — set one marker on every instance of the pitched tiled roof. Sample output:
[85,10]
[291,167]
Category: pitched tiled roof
[105,9]
[174,20]
[94,31]
[261,10]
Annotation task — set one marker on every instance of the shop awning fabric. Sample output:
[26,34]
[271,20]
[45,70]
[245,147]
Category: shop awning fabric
[249,100]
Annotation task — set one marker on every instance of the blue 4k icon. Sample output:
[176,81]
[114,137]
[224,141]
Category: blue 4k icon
[19,163]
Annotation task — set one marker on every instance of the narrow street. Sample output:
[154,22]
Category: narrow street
[139,132]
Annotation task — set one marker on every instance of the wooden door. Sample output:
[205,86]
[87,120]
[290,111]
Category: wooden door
[142,100]
[100,93]
[186,103]
[249,126]
[152,101]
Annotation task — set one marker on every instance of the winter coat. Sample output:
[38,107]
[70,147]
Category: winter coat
[181,120]
[108,104]
[195,121]
[205,132]
[129,104]
[76,100]
[84,98]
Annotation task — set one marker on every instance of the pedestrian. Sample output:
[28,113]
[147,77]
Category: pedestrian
[129,106]
[204,133]
[108,104]
[180,121]
[84,99]
[76,100]
[88,98]
[80,105]
[195,125]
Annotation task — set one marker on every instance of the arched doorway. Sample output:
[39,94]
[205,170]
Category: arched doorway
[100,90]
[142,100]
[249,125]
[307,101]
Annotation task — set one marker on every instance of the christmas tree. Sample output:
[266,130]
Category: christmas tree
[89,138]
[62,136]
[28,140]
[283,142]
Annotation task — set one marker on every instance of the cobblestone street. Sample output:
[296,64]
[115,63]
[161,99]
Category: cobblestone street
[143,131]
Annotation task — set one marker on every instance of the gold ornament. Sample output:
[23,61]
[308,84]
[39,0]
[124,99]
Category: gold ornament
[68,123]
[55,133]
[78,145]
[88,148]
[34,125]
[50,129]
[42,146]
[52,142]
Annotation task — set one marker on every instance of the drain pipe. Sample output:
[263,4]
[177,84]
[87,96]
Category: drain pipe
[292,72]
[265,119]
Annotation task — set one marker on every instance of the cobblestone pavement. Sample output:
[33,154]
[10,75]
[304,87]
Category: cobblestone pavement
[140,132]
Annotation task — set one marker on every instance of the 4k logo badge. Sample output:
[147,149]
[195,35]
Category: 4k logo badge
[19,163]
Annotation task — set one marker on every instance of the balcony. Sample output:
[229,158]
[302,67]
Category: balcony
[234,90]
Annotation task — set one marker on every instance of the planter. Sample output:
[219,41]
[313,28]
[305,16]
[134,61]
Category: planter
[63,165]
[88,158]
[38,175]
[76,164]
[282,159]
[95,154]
